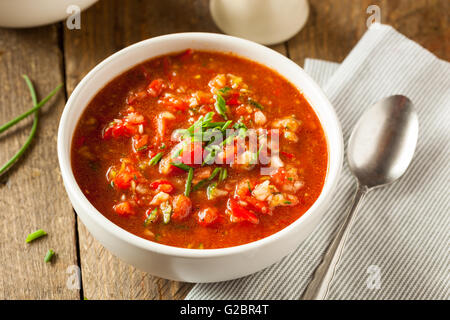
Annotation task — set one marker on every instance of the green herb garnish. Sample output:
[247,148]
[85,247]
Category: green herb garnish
[256,104]
[182,166]
[224,90]
[187,189]
[142,148]
[34,110]
[155,159]
[49,255]
[166,210]
[151,217]
[35,235]
[223,174]
[210,190]
[221,106]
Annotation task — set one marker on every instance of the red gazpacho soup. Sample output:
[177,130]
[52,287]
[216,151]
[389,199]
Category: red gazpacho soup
[200,150]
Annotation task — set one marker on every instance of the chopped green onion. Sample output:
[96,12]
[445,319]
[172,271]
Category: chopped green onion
[223,174]
[226,125]
[142,148]
[181,165]
[224,90]
[256,104]
[214,124]
[249,188]
[221,106]
[151,217]
[187,190]
[287,202]
[166,210]
[49,255]
[35,235]
[210,190]
[199,184]
[213,149]
[214,173]
[208,117]
[27,143]
[156,159]
[162,147]
[27,113]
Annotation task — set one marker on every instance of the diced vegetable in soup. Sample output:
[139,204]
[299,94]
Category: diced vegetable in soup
[200,150]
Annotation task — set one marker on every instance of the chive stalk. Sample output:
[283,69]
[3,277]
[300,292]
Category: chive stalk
[153,161]
[35,235]
[188,186]
[49,255]
[151,217]
[32,110]
[27,143]
[182,166]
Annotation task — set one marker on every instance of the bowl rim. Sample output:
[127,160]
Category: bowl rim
[335,153]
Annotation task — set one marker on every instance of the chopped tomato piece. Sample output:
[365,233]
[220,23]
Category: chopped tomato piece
[136,97]
[287,154]
[124,177]
[186,54]
[135,118]
[118,129]
[124,208]
[208,216]
[140,142]
[239,213]
[182,206]
[280,176]
[155,88]
[166,168]
[243,189]
[257,205]
[162,186]
[175,103]
[233,100]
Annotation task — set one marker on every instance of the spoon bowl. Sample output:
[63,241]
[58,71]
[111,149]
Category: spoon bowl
[383,141]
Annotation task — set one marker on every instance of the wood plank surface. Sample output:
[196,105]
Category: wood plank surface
[32,195]
[332,30]
[334,27]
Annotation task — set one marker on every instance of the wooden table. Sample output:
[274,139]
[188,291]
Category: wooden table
[32,195]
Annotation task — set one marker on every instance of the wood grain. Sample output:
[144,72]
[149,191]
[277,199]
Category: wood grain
[31,193]
[334,27]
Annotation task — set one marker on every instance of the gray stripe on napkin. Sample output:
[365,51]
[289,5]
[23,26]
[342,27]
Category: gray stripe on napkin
[401,237]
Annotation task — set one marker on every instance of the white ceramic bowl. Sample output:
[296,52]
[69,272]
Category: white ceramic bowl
[193,265]
[33,13]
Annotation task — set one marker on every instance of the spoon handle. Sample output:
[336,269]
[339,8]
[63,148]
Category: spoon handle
[319,286]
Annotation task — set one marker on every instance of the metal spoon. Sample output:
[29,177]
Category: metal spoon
[379,151]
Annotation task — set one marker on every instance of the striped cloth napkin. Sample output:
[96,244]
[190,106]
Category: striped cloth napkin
[399,247]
